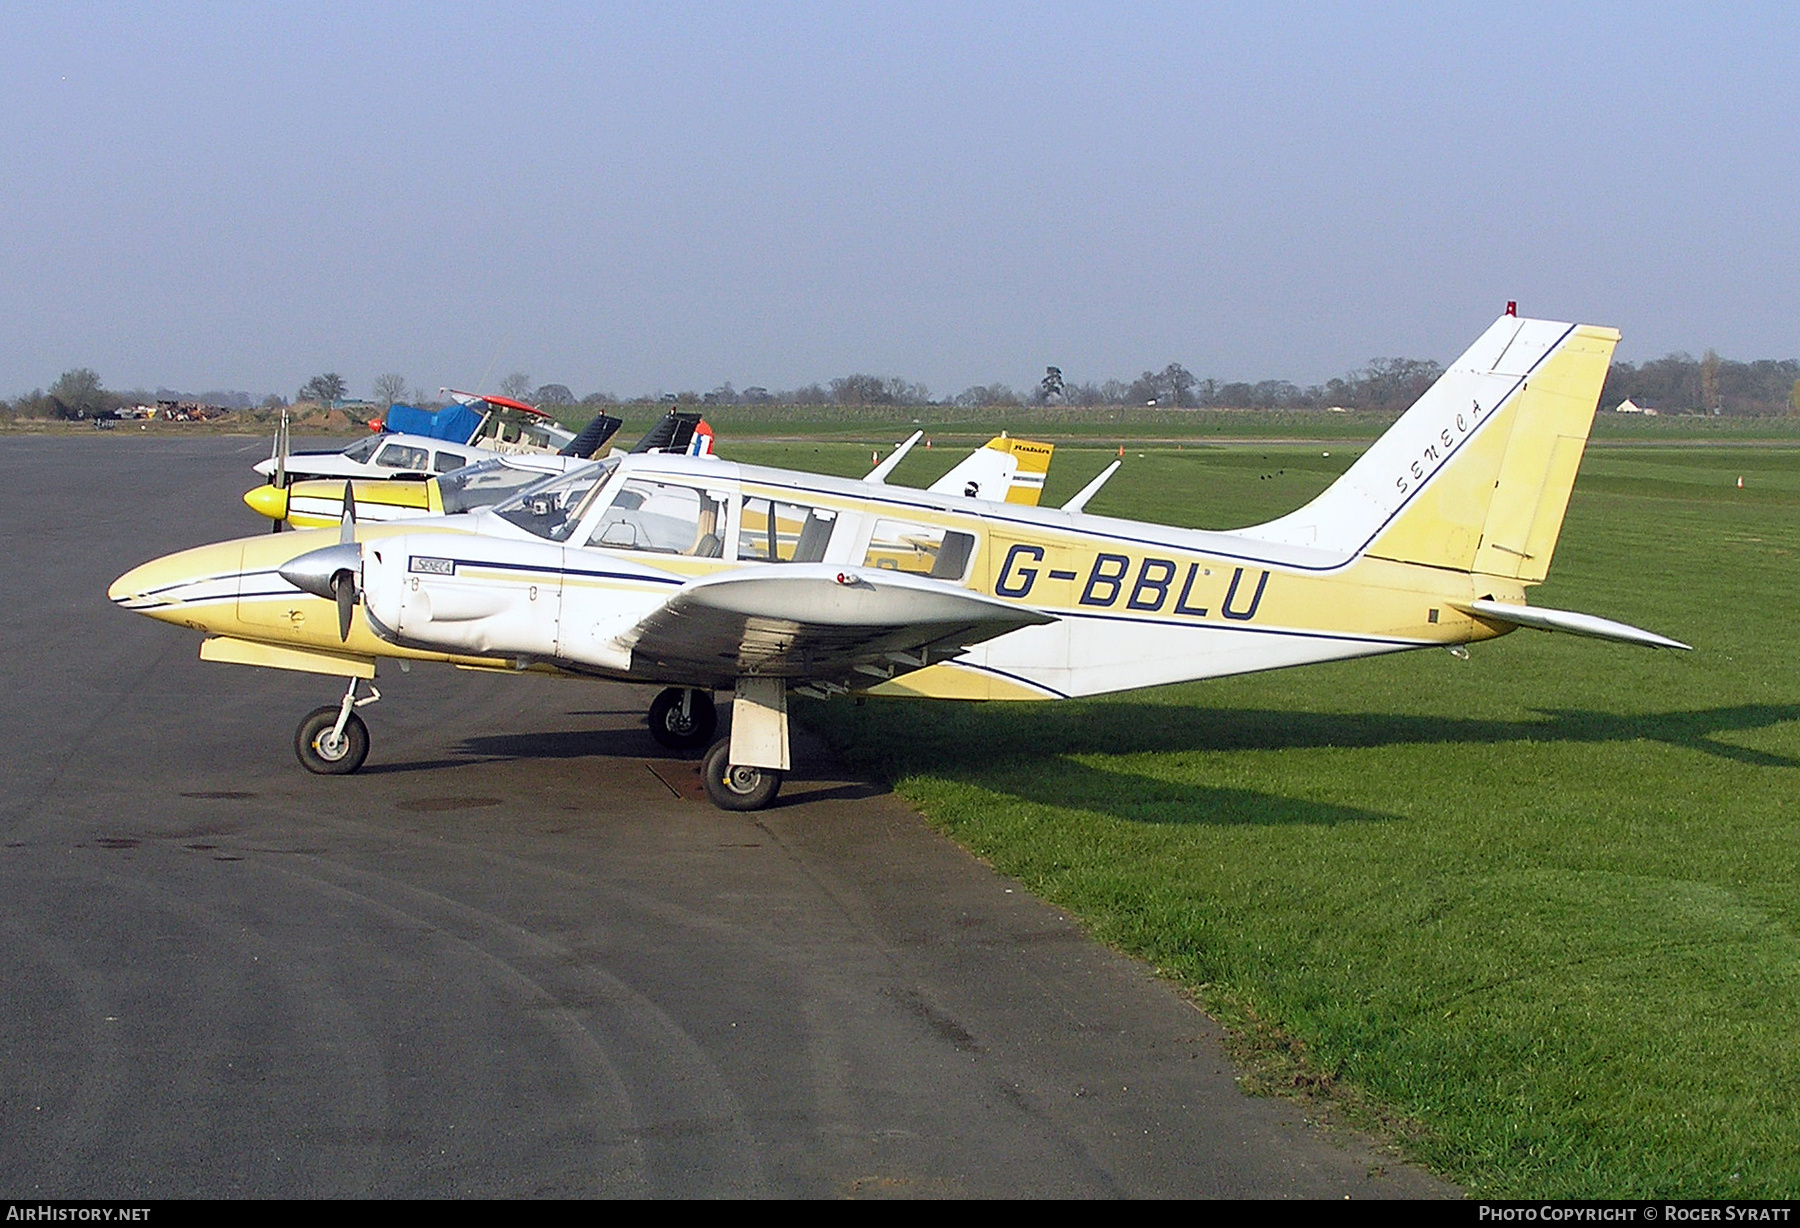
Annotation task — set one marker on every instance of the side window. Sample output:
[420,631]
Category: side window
[445,462]
[664,519]
[775,532]
[401,456]
[921,549]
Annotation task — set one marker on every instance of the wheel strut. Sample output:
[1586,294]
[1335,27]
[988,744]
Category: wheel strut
[351,701]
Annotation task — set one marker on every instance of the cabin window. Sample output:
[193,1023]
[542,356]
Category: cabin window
[446,462]
[485,484]
[920,549]
[663,518]
[402,456]
[774,532]
[553,508]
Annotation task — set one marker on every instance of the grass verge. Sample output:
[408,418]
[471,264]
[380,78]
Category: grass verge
[1535,911]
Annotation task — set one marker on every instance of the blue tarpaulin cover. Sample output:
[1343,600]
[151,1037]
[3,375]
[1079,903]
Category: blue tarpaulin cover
[455,423]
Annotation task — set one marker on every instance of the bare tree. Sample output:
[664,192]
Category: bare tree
[1180,383]
[518,386]
[1709,380]
[389,388]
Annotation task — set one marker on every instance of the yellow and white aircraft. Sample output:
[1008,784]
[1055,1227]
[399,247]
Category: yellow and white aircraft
[707,575]
[1003,468]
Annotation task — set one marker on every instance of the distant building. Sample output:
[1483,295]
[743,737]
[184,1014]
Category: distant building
[1628,406]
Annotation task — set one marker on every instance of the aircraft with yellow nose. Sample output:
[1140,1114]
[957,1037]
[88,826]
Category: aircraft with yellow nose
[1003,468]
[706,575]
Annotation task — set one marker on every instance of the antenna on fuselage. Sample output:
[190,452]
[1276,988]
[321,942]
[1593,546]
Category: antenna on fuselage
[1091,489]
[878,476]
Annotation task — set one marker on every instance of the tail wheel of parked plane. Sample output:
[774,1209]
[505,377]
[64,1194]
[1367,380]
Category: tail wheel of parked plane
[319,751]
[732,786]
[680,729]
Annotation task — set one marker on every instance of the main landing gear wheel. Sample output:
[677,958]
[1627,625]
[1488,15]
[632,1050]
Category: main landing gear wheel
[731,786]
[319,751]
[679,730]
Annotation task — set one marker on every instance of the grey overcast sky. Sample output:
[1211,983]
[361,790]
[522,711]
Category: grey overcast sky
[645,197]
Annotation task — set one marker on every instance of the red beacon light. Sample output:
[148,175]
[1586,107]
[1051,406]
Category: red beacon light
[1512,307]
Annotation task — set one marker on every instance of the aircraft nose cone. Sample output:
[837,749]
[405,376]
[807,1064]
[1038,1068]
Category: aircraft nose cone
[270,501]
[128,587]
[187,587]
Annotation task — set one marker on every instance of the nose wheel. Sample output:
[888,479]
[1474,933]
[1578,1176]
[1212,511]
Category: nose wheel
[324,749]
[333,740]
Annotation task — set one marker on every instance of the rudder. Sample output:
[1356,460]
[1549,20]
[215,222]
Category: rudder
[1476,475]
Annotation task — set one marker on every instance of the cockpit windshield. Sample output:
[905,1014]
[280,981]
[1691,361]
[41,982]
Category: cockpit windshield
[486,483]
[363,449]
[552,509]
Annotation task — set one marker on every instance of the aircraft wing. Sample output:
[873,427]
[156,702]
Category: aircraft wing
[817,623]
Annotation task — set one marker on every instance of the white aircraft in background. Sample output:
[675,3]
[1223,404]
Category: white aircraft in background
[419,443]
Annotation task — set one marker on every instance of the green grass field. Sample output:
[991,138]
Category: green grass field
[1536,915]
[888,424]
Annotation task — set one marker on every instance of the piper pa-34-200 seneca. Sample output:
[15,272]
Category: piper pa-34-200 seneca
[706,575]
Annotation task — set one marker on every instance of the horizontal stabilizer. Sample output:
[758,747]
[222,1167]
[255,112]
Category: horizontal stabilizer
[1563,620]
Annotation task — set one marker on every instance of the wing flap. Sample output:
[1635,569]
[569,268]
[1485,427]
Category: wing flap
[818,622]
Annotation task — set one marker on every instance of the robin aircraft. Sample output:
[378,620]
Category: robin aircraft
[705,575]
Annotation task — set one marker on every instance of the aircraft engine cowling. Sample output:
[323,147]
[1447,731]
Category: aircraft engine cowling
[418,594]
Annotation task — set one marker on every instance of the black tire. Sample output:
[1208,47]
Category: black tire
[670,730]
[730,786]
[325,760]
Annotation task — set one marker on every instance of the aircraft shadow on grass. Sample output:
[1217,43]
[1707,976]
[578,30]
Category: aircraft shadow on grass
[1010,749]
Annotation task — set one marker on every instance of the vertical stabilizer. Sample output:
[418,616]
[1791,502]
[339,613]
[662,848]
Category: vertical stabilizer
[1476,475]
[1004,469]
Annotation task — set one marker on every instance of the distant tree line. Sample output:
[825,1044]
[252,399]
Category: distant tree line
[1679,383]
[1386,383]
[1676,383]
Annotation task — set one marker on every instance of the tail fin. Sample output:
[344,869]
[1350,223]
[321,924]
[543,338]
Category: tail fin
[1476,475]
[1003,469]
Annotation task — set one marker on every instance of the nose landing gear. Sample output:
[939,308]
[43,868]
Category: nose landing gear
[333,740]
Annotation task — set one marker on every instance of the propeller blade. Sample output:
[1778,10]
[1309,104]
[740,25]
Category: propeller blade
[343,588]
[347,531]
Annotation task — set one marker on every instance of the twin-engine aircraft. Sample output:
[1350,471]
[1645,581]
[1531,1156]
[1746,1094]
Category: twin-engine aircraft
[706,575]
